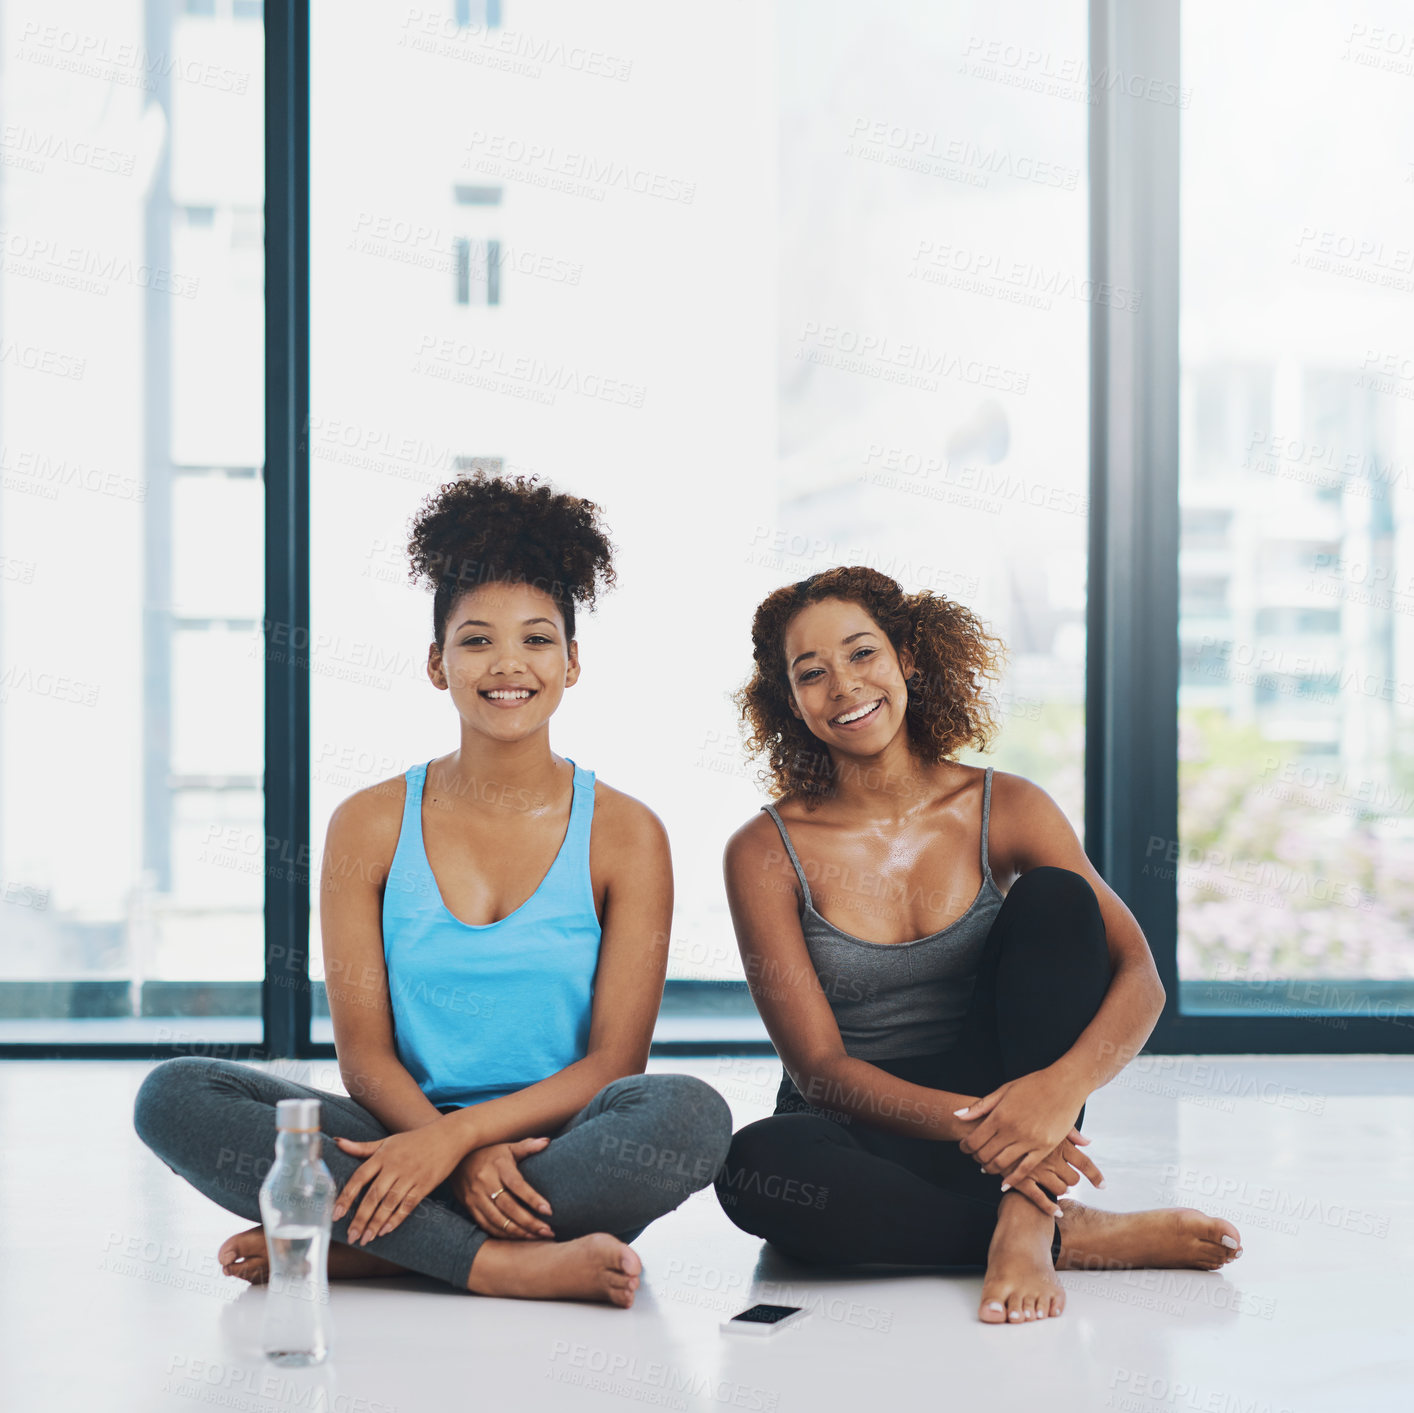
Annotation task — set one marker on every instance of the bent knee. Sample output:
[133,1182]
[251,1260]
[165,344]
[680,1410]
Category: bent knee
[1051,888]
[769,1148]
[770,1179]
[677,1113]
[167,1092]
[692,1114]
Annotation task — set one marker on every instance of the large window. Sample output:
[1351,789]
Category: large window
[1297,551]
[771,292]
[131,357]
[1009,303]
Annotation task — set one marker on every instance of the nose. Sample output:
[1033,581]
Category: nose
[508,662]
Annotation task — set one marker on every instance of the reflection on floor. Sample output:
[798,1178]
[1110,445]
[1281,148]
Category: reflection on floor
[111,1299]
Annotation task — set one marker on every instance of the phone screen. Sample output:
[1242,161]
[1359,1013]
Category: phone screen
[766,1314]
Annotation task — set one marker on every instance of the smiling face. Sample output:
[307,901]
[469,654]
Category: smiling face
[505,659]
[847,682]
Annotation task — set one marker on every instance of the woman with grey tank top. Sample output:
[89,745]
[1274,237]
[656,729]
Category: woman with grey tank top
[943,973]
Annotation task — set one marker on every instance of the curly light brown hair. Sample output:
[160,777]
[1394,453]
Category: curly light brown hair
[948,706]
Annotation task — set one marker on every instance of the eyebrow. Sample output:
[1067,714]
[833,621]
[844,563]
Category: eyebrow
[482,623]
[863,633]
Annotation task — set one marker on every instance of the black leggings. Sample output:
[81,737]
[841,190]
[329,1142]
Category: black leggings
[835,1190]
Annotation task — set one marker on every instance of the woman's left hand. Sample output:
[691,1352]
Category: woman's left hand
[399,1172]
[1019,1124]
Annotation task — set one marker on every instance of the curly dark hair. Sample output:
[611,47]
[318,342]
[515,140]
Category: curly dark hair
[947,707]
[487,528]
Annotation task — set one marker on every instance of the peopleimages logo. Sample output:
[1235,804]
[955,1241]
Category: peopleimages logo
[508,50]
[120,62]
[936,154]
[579,173]
[35,150]
[910,364]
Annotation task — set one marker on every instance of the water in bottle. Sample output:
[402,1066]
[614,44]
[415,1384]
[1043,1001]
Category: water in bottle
[296,1209]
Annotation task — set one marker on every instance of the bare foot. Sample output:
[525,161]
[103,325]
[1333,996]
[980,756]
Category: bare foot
[245,1255]
[1021,1282]
[597,1267]
[1167,1238]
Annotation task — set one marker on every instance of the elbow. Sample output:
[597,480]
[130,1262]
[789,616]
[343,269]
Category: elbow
[361,1076]
[1159,996]
[814,1076]
[621,1064]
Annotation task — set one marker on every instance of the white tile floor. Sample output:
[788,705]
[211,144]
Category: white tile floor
[110,1298]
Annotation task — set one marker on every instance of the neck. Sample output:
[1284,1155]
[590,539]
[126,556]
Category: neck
[884,785]
[487,772]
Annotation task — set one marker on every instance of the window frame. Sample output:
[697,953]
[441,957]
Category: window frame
[1133,649]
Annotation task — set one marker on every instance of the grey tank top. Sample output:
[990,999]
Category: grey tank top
[893,999]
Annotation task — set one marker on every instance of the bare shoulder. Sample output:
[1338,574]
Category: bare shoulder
[367,823]
[755,862]
[1017,790]
[748,842]
[1021,799]
[1028,827]
[624,822]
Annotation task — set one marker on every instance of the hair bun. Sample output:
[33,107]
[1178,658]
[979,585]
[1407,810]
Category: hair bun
[490,528]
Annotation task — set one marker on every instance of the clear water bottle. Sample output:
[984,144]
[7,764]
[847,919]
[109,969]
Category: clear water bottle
[296,1209]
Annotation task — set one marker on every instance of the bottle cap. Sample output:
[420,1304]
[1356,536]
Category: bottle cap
[297,1114]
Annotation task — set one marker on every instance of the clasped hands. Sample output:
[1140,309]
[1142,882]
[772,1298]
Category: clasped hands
[1021,1132]
[402,1169]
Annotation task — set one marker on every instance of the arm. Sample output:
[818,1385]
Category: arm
[358,850]
[633,872]
[763,894]
[1021,1121]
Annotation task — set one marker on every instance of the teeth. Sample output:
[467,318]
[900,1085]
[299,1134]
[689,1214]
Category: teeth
[518,694]
[855,715]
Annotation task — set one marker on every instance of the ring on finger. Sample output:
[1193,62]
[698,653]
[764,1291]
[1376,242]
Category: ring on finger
[497,1193]
[505,1224]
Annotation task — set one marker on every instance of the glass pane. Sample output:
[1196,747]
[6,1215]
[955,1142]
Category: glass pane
[934,332]
[845,320]
[1296,689]
[131,517]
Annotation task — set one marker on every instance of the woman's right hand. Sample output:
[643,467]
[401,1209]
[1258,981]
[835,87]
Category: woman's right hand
[1056,1172]
[511,1214]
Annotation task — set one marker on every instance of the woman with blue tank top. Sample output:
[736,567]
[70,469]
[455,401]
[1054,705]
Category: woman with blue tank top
[945,976]
[495,923]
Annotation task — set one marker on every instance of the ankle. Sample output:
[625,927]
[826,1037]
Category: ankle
[1019,1219]
[1018,1210]
[487,1267]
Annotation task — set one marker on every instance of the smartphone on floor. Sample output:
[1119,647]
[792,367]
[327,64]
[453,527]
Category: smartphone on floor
[764,1319]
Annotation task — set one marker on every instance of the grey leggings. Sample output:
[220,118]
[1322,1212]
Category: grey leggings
[638,1149]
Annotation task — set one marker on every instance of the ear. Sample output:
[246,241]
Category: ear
[572,668]
[436,672]
[790,702]
[906,664]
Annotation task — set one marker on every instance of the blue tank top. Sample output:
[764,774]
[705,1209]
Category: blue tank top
[482,1010]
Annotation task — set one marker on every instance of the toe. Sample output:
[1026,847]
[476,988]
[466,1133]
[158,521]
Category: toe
[1224,1233]
[1015,1314]
[993,1311]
